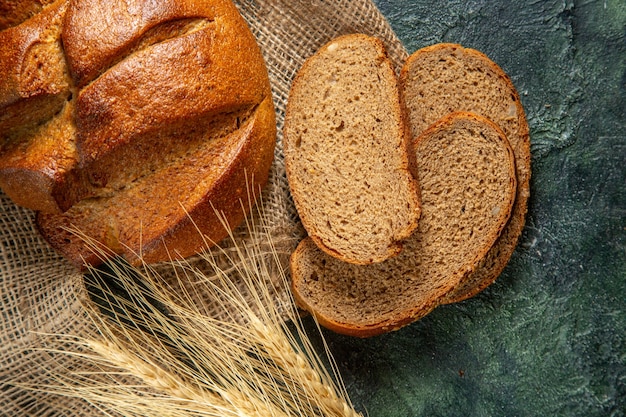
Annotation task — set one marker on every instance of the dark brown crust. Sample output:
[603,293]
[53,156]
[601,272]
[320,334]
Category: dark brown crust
[232,195]
[498,257]
[412,312]
[30,95]
[193,223]
[20,81]
[183,68]
[35,172]
[14,12]
[299,84]
[91,50]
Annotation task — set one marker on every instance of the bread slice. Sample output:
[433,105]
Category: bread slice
[346,152]
[466,172]
[444,78]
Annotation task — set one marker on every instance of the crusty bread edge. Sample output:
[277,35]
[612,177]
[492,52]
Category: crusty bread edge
[231,195]
[244,177]
[228,200]
[404,127]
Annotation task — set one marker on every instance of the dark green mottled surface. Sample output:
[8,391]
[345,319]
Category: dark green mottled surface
[549,337]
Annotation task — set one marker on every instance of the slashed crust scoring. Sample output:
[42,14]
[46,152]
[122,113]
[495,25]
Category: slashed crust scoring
[117,112]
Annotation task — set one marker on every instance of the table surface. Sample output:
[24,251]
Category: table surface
[548,338]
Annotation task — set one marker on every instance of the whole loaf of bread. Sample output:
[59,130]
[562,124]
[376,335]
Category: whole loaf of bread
[132,121]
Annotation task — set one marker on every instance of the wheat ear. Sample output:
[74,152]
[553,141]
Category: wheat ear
[233,403]
[294,356]
[296,364]
[153,376]
[210,343]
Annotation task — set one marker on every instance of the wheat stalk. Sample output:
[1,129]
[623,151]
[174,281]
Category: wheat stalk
[198,343]
[267,330]
[165,382]
[152,375]
[118,378]
[296,365]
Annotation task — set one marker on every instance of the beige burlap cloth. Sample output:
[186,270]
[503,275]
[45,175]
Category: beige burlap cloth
[41,293]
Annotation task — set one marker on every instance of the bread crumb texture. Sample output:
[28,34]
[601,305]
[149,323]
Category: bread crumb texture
[466,173]
[444,78]
[346,152]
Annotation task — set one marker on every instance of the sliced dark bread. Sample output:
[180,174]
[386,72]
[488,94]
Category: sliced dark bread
[444,78]
[346,152]
[467,175]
